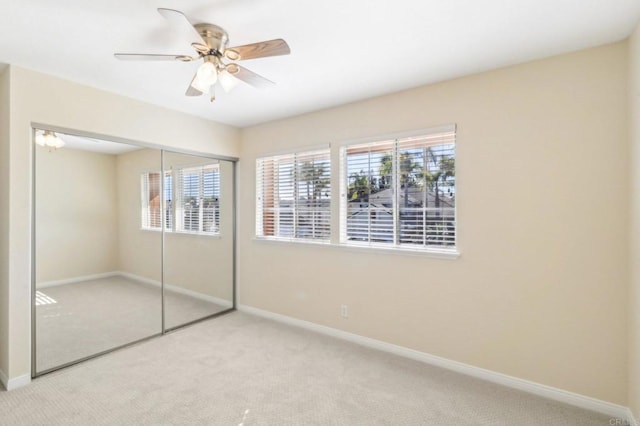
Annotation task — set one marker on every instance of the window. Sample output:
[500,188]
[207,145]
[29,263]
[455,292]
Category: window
[151,203]
[400,192]
[198,209]
[191,205]
[294,196]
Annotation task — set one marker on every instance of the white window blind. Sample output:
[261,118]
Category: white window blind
[294,196]
[191,200]
[198,199]
[400,192]
[152,204]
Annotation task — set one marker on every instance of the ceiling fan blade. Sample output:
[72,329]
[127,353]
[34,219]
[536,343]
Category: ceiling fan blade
[152,57]
[192,91]
[249,77]
[258,50]
[178,19]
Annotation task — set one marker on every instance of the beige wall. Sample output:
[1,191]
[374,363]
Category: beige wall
[4,220]
[539,291]
[45,99]
[634,288]
[139,252]
[76,220]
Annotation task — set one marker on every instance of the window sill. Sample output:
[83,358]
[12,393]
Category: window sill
[196,234]
[292,240]
[151,230]
[362,248]
[402,251]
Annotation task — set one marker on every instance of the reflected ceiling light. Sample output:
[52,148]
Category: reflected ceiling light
[48,139]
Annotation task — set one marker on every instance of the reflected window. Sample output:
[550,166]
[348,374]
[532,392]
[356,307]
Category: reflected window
[192,200]
[151,202]
[198,209]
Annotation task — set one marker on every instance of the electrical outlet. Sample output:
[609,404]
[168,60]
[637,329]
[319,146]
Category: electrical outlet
[344,311]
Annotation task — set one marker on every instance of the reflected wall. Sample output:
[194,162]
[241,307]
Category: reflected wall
[198,238]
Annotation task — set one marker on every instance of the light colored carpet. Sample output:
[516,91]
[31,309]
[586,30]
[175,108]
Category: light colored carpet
[81,319]
[241,370]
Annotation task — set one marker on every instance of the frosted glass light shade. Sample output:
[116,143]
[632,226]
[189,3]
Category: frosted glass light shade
[206,76]
[199,85]
[227,81]
[207,73]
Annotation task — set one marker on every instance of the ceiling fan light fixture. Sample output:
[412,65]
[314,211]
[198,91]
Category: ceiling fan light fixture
[210,42]
[206,77]
[207,73]
[227,81]
[232,55]
[200,86]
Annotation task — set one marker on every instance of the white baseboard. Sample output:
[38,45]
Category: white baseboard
[11,384]
[177,289]
[144,280]
[586,402]
[46,284]
[18,382]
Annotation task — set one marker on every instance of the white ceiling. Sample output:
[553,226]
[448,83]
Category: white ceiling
[342,50]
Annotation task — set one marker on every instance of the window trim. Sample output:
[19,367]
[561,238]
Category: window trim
[259,192]
[178,210]
[450,251]
[174,175]
[338,225]
[144,200]
[357,248]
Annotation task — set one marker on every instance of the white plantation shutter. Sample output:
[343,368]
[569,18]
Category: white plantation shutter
[266,193]
[151,203]
[150,185]
[211,195]
[400,192]
[369,196]
[168,201]
[294,195]
[198,199]
[426,188]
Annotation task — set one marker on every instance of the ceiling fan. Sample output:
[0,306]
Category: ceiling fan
[210,42]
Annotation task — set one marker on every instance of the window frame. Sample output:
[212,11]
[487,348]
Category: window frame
[178,208]
[173,222]
[323,156]
[145,214]
[395,244]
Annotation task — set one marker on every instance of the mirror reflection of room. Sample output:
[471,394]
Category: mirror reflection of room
[99,217]
[90,251]
[198,239]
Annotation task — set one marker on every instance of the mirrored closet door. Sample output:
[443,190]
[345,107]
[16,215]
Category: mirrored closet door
[129,242]
[198,241]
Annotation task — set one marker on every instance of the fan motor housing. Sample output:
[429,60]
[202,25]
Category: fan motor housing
[215,36]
